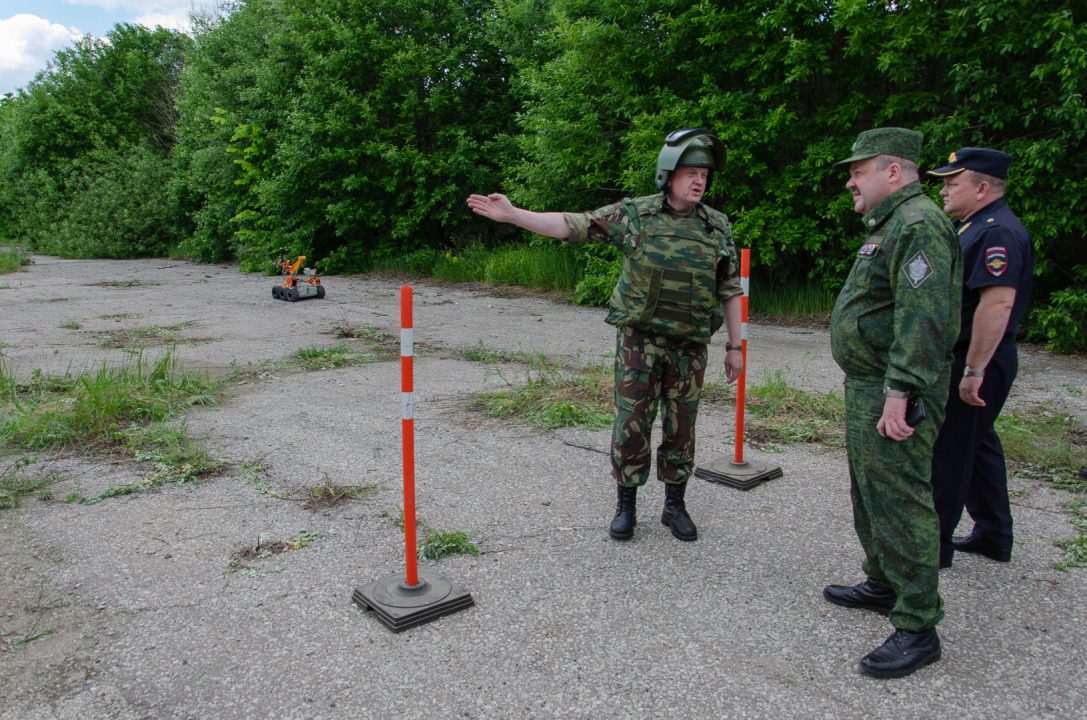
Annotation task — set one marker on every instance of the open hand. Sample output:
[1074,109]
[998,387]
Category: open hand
[495,206]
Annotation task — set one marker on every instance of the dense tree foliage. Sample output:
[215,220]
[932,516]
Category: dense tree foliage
[101,111]
[351,130]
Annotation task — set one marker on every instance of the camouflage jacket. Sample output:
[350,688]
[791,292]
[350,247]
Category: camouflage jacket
[897,317]
[678,270]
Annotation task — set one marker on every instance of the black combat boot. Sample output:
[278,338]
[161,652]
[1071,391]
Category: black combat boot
[903,653]
[626,510]
[675,513]
[869,595]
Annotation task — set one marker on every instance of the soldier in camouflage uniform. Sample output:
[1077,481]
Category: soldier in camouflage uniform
[892,332]
[679,284]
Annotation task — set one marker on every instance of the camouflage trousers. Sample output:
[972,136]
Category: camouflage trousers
[648,369]
[891,487]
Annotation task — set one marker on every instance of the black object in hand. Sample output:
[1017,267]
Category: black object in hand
[915,410]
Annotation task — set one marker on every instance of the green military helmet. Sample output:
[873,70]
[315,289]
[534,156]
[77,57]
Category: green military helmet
[697,148]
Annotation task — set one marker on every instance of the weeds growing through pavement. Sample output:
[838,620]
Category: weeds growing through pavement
[266,547]
[328,494]
[120,283]
[1042,437]
[435,545]
[15,482]
[362,332]
[70,325]
[315,358]
[554,395]
[143,337]
[18,642]
[1075,549]
[92,405]
[781,412]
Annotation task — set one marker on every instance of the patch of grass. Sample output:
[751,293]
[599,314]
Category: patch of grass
[556,395]
[549,267]
[315,358]
[362,332]
[120,316]
[19,642]
[802,301]
[144,337]
[176,456]
[120,283]
[267,547]
[329,494]
[480,353]
[15,482]
[778,412]
[92,405]
[1075,549]
[435,545]
[50,300]
[14,258]
[70,325]
[1039,436]
[1072,390]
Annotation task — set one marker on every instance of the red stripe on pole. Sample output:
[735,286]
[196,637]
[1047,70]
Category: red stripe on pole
[741,383]
[408,432]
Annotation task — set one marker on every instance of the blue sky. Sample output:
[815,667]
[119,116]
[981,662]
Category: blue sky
[31,31]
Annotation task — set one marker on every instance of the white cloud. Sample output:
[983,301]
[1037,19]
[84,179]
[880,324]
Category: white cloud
[27,44]
[171,21]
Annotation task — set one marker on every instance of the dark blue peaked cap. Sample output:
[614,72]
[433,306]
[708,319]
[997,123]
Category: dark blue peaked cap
[982,160]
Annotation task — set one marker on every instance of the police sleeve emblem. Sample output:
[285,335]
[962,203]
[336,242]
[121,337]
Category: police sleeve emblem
[996,260]
[917,269]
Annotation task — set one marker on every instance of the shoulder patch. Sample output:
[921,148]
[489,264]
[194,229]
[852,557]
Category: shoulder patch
[996,260]
[911,213]
[917,269]
[990,221]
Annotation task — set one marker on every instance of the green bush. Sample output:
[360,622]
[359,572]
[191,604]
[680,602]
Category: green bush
[1064,321]
[601,275]
[116,204]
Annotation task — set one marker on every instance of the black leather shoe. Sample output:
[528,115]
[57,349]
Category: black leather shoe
[946,561]
[975,543]
[622,526]
[869,595]
[903,653]
[675,513]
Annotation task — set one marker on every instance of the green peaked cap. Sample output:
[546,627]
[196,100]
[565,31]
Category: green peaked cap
[898,142]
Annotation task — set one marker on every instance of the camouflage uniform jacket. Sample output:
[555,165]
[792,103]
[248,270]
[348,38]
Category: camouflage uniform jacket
[897,317]
[678,270]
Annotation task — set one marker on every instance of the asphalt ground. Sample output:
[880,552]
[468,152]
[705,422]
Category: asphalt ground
[149,622]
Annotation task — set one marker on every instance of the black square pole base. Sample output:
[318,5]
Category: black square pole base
[401,606]
[742,476]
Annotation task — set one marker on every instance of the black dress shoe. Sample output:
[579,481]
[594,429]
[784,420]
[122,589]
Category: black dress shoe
[869,595]
[903,653]
[946,561]
[975,543]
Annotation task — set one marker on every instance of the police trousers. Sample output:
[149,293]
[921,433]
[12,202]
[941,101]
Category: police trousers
[892,502]
[968,461]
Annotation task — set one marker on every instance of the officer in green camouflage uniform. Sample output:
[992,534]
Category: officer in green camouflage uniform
[679,284]
[892,332]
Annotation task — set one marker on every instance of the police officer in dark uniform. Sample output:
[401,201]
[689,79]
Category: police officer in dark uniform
[998,264]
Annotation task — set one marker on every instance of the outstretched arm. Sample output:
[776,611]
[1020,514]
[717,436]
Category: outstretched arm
[497,207]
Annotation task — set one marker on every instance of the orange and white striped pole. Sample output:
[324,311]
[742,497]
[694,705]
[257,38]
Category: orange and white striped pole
[741,383]
[407,415]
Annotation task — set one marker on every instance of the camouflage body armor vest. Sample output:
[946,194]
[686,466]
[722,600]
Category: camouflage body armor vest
[669,278]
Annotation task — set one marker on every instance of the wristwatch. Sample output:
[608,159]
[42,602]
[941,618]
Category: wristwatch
[967,372]
[892,393]
[729,347]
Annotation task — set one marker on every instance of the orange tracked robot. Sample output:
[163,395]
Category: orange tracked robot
[297,287]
